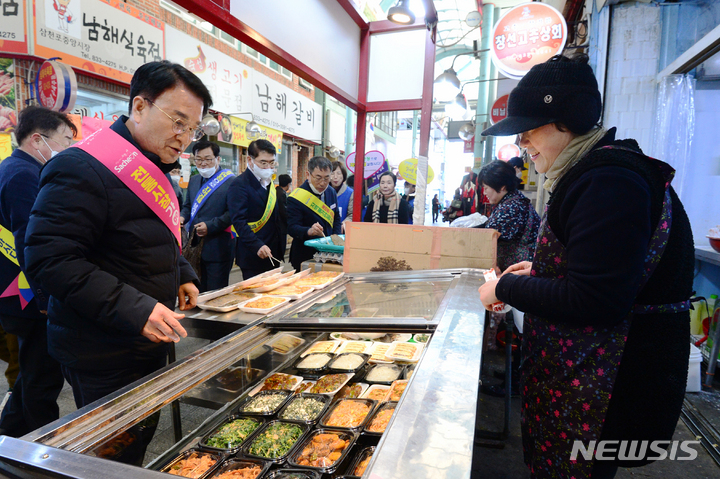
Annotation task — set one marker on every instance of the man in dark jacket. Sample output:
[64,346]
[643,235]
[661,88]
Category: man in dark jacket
[312,210]
[111,265]
[206,211]
[40,133]
[283,189]
[255,208]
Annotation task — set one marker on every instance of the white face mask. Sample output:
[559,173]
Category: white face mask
[175,178]
[206,172]
[264,173]
[52,152]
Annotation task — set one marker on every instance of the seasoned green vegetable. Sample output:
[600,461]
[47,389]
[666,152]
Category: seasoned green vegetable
[265,403]
[303,409]
[276,441]
[233,433]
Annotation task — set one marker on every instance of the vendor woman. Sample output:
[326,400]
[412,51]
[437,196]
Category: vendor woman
[610,281]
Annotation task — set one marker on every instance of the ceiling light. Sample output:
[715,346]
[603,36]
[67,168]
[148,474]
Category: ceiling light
[457,108]
[210,125]
[401,13]
[253,130]
[333,152]
[447,85]
[467,131]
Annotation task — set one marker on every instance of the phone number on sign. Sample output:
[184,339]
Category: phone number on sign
[10,35]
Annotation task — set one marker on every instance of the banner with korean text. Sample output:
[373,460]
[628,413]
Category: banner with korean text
[13,26]
[284,109]
[106,37]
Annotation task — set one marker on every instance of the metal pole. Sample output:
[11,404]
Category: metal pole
[712,360]
[481,110]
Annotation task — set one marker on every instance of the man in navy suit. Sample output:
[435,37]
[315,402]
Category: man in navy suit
[41,134]
[255,208]
[312,210]
[209,215]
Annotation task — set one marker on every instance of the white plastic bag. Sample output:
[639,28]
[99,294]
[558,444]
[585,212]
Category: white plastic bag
[471,221]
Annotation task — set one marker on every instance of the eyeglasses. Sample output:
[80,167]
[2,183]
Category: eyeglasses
[179,125]
[321,179]
[56,142]
[204,161]
[265,164]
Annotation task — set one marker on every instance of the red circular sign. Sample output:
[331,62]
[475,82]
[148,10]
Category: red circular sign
[527,35]
[56,86]
[499,109]
[508,151]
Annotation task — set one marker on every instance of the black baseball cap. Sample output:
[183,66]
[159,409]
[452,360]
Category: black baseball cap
[517,162]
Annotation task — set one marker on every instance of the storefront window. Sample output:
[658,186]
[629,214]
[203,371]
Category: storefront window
[284,159]
[683,24]
[99,105]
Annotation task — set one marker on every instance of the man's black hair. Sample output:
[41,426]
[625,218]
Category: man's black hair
[284,180]
[202,144]
[319,162]
[497,174]
[257,146]
[38,119]
[153,78]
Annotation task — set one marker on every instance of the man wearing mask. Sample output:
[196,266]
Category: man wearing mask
[312,210]
[409,196]
[519,165]
[255,208]
[41,134]
[175,179]
[206,211]
[104,240]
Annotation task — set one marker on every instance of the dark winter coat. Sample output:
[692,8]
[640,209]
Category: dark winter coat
[606,189]
[301,219]
[219,245]
[403,212]
[247,199]
[19,178]
[105,258]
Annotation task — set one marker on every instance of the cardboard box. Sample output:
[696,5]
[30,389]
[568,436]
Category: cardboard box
[422,247]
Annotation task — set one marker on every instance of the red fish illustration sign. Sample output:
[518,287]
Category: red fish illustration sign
[527,35]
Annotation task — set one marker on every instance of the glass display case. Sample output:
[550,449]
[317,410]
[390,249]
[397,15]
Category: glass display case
[412,344]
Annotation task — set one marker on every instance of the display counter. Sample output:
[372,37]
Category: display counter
[429,435]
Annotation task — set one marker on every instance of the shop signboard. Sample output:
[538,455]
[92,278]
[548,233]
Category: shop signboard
[498,111]
[8,107]
[13,26]
[232,130]
[228,80]
[56,86]
[525,36]
[508,151]
[284,109]
[408,171]
[107,37]
[374,160]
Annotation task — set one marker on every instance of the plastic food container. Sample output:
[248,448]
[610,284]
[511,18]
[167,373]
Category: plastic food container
[363,456]
[319,450]
[321,387]
[404,351]
[291,413]
[315,363]
[248,307]
[208,461]
[206,301]
[292,294]
[349,362]
[321,347]
[379,420]
[290,383]
[287,473]
[314,278]
[351,390]
[244,463]
[117,447]
[285,343]
[256,279]
[384,374]
[397,389]
[224,430]
[377,353]
[376,392]
[266,445]
[233,380]
[305,386]
[263,405]
[422,338]
[355,347]
[350,414]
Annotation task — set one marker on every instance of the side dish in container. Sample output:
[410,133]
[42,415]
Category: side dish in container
[384,373]
[397,389]
[377,392]
[331,383]
[323,449]
[322,347]
[353,390]
[349,362]
[314,361]
[348,413]
[233,433]
[276,440]
[265,403]
[285,343]
[379,422]
[240,469]
[355,347]
[357,468]
[404,351]
[192,464]
[305,408]
[280,381]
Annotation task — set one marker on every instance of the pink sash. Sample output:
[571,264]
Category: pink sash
[137,173]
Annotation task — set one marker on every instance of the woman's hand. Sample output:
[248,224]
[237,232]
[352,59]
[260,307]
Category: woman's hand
[521,269]
[487,294]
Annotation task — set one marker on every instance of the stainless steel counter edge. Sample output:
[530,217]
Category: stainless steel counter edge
[431,436]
